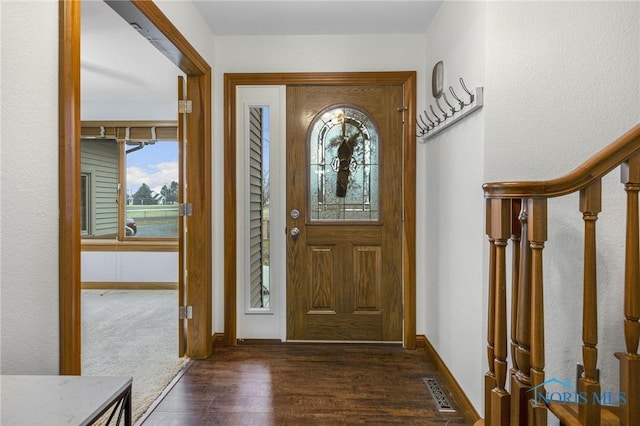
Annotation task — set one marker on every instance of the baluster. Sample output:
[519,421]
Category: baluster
[521,380]
[501,231]
[537,233]
[590,206]
[630,360]
[516,235]
[490,376]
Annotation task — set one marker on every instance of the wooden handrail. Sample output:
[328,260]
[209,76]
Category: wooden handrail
[590,171]
[516,215]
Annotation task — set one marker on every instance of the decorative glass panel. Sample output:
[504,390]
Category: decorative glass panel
[343,151]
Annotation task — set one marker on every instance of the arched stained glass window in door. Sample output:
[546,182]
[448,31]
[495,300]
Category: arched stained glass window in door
[343,151]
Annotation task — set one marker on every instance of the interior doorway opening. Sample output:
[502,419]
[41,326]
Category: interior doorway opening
[198,128]
[131,168]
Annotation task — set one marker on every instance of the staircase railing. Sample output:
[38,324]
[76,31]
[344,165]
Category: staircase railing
[517,212]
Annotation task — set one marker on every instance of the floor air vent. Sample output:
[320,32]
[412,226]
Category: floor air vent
[438,395]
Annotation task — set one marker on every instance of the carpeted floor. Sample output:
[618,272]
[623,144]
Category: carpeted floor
[132,333]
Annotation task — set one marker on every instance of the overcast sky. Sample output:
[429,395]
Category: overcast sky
[156,165]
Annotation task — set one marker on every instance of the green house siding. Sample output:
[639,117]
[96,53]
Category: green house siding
[99,159]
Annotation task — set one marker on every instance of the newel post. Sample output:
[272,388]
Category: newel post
[537,234]
[630,359]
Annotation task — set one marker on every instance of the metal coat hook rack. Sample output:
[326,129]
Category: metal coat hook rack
[446,116]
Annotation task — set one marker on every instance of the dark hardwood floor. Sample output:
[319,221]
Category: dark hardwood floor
[305,384]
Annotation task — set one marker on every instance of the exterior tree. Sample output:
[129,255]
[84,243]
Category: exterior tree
[266,188]
[143,196]
[170,193]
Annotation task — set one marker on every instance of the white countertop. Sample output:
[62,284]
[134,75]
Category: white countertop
[56,400]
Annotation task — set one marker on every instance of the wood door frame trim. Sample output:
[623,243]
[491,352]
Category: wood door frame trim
[408,79]
[198,72]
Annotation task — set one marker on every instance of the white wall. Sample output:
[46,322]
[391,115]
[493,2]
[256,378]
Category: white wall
[29,193]
[562,81]
[299,54]
[29,152]
[450,234]
[123,266]
[132,109]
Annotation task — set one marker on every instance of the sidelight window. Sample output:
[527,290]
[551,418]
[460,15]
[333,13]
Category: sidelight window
[259,196]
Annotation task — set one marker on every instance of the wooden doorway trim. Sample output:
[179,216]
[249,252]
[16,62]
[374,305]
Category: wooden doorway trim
[184,56]
[408,79]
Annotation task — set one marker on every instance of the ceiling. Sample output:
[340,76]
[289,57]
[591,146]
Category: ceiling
[119,64]
[306,17]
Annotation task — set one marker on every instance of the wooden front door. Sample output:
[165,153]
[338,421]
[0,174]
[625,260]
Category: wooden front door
[344,202]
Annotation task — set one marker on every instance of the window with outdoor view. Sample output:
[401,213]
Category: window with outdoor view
[151,189]
[129,181]
[259,207]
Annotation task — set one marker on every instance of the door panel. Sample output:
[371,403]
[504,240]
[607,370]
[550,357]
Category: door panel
[344,267]
[367,271]
[323,293]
